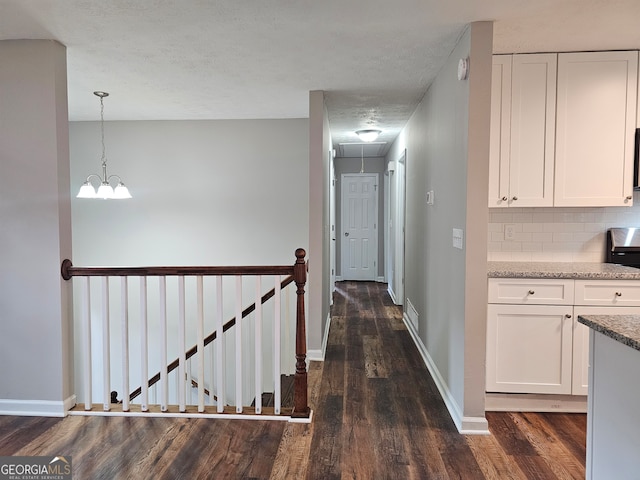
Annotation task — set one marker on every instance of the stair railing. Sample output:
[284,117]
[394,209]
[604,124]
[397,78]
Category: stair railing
[294,273]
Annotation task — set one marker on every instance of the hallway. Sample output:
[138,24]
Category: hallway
[377,415]
[380,415]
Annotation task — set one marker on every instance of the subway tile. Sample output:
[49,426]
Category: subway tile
[523,217]
[532,246]
[495,227]
[562,237]
[542,237]
[595,227]
[501,217]
[496,236]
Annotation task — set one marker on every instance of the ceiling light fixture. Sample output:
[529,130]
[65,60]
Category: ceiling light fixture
[368,135]
[105,190]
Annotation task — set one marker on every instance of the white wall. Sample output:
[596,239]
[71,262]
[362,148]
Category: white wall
[447,151]
[557,234]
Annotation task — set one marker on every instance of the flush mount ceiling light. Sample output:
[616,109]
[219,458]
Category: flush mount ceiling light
[368,135]
[105,190]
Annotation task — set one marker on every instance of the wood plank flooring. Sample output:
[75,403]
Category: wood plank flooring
[377,415]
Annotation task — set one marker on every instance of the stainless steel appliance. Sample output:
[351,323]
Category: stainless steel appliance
[623,246]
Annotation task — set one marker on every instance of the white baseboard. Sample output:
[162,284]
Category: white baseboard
[392,294]
[380,279]
[37,408]
[338,278]
[318,355]
[465,425]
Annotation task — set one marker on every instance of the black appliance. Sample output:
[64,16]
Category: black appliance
[623,246]
[636,161]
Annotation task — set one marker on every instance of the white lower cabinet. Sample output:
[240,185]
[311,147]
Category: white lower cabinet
[542,348]
[529,348]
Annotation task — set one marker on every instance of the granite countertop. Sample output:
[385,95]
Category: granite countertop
[622,328]
[577,270]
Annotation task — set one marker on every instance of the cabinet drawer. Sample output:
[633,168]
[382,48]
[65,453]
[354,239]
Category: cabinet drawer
[527,291]
[612,292]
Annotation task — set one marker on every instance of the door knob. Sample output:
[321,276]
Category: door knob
[346,234]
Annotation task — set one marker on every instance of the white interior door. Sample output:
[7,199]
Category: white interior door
[395,250]
[359,233]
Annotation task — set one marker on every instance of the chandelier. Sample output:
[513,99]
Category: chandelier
[105,190]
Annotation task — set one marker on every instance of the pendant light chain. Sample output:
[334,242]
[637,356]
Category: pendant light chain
[104,156]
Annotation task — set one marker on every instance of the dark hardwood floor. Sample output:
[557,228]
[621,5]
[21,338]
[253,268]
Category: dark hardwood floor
[377,415]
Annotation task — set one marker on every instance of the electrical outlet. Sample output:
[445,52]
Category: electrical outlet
[509,231]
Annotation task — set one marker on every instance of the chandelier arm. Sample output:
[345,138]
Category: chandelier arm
[93,175]
[112,176]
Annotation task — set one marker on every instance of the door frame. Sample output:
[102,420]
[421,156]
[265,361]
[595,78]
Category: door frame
[343,206]
[396,228]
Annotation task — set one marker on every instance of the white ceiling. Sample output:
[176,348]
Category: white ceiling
[238,59]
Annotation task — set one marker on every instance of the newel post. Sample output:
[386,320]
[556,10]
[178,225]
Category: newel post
[300,403]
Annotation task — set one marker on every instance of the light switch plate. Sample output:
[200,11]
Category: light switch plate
[458,238]
[430,197]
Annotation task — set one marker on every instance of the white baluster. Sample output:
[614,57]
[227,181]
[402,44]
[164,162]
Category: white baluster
[106,348]
[211,372]
[124,300]
[144,364]
[164,385]
[258,344]
[189,380]
[219,342]
[182,386]
[238,329]
[86,322]
[200,343]
[276,347]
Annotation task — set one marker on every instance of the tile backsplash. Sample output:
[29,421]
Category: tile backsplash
[556,234]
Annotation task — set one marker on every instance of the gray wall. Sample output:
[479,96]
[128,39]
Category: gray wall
[222,192]
[319,223]
[35,327]
[447,152]
[353,165]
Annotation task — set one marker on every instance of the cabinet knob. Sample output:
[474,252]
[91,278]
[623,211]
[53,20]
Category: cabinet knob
[531,292]
[567,316]
[618,294]
[504,199]
[629,197]
[514,198]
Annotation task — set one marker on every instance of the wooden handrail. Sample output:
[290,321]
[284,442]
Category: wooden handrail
[210,338]
[68,270]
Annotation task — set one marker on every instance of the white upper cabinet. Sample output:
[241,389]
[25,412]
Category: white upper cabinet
[522,130]
[500,131]
[596,119]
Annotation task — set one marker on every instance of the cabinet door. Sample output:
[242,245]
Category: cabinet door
[580,374]
[500,131]
[533,114]
[529,348]
[595,128]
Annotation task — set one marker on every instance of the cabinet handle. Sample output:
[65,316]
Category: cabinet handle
[531,292]
[567,316]
[618,294]
[629,197]
[504,199]
[514,198]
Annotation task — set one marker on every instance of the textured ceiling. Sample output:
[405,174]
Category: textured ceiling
[204,59]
